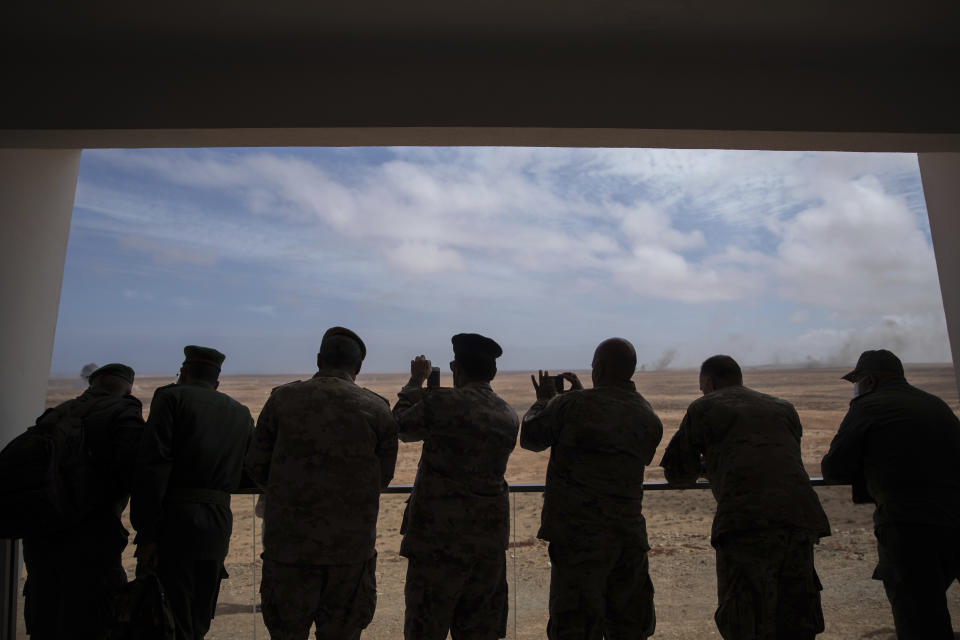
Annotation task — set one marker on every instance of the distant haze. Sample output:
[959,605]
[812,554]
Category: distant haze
[772,257]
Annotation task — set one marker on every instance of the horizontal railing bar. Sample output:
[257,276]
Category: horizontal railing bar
[521,487]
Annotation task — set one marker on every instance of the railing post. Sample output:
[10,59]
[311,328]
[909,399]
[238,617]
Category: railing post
[9,586]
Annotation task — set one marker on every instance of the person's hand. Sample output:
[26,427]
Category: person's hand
[575,384]
[148,558]
[420,369]
[546,388]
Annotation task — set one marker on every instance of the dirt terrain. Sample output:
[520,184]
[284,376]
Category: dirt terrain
[681,562]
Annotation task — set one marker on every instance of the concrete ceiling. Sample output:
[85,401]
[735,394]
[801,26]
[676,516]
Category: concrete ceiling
[841,74]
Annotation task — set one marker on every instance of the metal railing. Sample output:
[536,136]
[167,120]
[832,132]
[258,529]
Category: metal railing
[523,487]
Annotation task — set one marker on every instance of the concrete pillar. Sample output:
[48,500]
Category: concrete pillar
[37,189]
[940,173]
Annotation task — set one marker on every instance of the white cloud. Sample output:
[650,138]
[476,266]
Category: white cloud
[860,250]
[523,231]
[419,258]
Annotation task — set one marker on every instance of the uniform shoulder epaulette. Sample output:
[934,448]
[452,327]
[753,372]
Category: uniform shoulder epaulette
[285,384]
[387,402]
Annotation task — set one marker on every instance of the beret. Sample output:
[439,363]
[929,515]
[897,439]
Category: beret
[474,345]
[343,331]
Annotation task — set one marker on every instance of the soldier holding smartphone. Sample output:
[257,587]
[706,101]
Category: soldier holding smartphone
[457,522]
[600,440]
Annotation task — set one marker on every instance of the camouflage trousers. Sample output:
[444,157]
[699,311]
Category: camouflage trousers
[462,591]
[767,586]
[917,564]
[600,590]
[339,599]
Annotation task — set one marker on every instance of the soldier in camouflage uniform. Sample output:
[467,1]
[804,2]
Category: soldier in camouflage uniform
[72,575]
[191,459]
[323,450]
[898,446]
[457,522]
[768,516]
[600,440]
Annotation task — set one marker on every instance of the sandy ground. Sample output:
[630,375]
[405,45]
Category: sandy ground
[681,559]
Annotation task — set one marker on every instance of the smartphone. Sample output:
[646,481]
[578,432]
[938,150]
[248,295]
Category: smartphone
[434,380]
[558,383]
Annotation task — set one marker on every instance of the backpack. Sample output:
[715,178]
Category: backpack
[47,481]
[141,611]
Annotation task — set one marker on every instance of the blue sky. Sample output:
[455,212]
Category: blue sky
[772,257]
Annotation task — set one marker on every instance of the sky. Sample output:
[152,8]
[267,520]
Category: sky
[775,258]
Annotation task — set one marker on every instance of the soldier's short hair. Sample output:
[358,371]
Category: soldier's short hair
[341,351]
[723,369]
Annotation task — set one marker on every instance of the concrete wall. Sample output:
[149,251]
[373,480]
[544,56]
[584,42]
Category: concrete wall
[36,201]
[940,173]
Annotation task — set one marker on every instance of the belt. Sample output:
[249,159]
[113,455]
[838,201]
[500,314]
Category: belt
[198,496]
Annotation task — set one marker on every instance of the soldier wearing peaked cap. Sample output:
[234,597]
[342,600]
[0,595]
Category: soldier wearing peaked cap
[768,516]
[457,521]
[898,446]
[190,460]
[71,577]
[322,451]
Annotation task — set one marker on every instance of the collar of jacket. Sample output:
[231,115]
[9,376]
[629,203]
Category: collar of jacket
[198,383]
[480,385]
[333,373]
[619,384]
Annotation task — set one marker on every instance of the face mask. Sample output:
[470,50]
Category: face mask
[856,389]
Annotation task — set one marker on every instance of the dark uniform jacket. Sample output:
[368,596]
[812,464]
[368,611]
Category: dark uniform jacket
[460,499]
[112,428]
[751,445]
[191,458]
[899,447]
[600,440]
[323,449]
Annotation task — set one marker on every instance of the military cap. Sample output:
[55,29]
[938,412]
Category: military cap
[203,355]
[474,345]
[114,369]
[877,361]
[343,331]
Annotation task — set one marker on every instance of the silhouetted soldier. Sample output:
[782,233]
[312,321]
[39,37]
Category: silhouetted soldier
[457,523]
[72,575]
[899,447]
[191,459]
[768,516]
[323,449]
[600,440]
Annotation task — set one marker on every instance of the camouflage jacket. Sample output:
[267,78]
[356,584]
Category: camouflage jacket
[750,443]
[193,443]
[323,449]
[600,440]
[898,446]
[460,498]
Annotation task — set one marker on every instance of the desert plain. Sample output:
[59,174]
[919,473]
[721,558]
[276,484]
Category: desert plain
[681,559]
